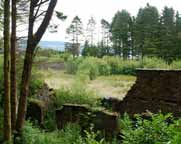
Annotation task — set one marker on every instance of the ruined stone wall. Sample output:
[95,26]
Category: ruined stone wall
[154,90]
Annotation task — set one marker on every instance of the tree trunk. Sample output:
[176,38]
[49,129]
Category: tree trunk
[7,106]
[13,66]
[33,40]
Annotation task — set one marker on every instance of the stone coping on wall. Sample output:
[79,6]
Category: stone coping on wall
[156,70]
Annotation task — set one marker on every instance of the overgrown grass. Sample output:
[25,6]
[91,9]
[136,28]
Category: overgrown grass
[109,65]
[159,129]
[71,134]
[77,94]
[109,85]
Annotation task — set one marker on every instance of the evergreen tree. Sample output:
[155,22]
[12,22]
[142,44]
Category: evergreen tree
[178,35]
[105,48]
[75,31]
[91,26]
[167,43]
[146,30]
[120,27]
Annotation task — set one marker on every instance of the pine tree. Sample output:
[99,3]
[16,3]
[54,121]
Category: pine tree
[146,31]
[120,28]
[91,26]
[75,32]
[168,38]
[105,37]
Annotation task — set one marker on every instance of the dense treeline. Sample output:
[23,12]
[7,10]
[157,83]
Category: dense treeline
[150,33]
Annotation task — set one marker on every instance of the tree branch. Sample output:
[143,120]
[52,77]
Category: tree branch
[41,30]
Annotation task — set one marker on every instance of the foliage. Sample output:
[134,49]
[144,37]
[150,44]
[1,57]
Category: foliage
[120,27]
[72,65]
[35,84]
[154,62]
[74,31]
[157,130]
[119,66]
[71,134]
[89,67]
[93,50]
[109,65]
[146,30]
[32,135]
[1,124]
[91,27]
[176,64]
[76,94]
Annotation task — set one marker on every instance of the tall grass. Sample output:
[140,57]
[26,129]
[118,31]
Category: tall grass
[77,94]
[109,65]
[71,134]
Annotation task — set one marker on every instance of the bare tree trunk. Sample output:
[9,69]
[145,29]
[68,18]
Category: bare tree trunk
[33,40]
[7,106]
[13,66]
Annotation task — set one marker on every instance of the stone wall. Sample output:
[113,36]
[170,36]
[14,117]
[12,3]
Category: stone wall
[154,90]
[85,116]
[38,106]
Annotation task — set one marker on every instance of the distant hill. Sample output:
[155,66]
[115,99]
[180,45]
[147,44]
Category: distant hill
[56,45]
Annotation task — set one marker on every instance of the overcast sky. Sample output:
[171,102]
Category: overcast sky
[100,9]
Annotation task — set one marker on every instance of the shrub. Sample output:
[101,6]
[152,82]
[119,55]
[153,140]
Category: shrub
[109,65]
[176,64]
[104,67]
[113,62]
[72,65]
[1,124]
[71,134]
[154,63]
[65,56]
[120,66]
[32,135]
[89,67]
[153,131]
[35,85]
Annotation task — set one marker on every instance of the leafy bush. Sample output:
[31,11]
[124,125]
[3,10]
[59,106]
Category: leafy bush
[109,65]
[89,67]
[120,66]
[71,134]
[35,84]
[154,131]
[1,124]
[176,64]
[154,63]
[65,56]
[32,135]
[104,67]
[72,65]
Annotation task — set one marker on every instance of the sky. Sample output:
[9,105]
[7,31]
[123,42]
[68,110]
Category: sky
[100,9]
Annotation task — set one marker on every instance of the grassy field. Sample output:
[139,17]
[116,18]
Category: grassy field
[113,85]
